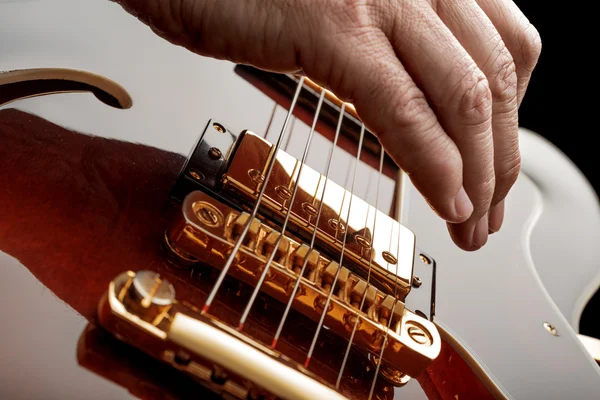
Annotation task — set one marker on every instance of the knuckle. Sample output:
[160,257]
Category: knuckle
[353,13]
[530,46]
[503,82]
[473,98]
[412,108]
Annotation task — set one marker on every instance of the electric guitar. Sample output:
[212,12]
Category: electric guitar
[285,257]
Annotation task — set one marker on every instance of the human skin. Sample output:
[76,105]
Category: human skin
[438,81]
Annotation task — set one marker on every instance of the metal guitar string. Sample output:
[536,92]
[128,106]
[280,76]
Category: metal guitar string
[270,121]
[314,235]
[244,232]
[364,297]
[337,273]
[385,337]
[287,215]
[289,137]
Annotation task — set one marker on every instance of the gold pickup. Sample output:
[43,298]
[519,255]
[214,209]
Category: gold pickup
[206,230]
[375,242]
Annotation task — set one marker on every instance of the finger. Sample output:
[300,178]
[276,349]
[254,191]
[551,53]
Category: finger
[479,231]
[496,217]
[460,95]
[476,33]
[392,106]
[520,36]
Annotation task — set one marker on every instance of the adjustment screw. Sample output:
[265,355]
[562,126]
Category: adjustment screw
[215,153]
[418,334]
[417,282]
[196,174]
[550,328]
[152,290]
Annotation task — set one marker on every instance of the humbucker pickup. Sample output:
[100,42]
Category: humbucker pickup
[233,168]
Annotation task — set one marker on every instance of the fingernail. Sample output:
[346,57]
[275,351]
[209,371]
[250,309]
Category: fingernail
[496,217]
[462,205]
[480,233]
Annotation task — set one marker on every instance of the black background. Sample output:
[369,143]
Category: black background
[561,101]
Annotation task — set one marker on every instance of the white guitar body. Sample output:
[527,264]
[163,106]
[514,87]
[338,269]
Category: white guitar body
[541,267]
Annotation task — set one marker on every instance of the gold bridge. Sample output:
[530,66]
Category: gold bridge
[206,232]
[367,301]
[377,260]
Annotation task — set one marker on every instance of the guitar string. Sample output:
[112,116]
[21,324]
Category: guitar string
[289,137]
[244,232]
[389,324]
[364,297]
[337,273]
[314,235]
[287,216]
[270,120]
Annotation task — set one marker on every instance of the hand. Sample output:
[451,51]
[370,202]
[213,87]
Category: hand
[438,81]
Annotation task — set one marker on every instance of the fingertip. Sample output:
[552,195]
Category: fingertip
[461,235]
[480,233]
[463,207]
[496,217]
[470,235]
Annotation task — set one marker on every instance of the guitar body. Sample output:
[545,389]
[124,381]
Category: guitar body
[510,310]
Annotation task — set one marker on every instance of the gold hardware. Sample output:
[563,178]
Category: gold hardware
[300,255]
[238,181]
[202,346]
[283,192]
[424,259]
[389,257]
[418,333]
[256,176]
[390,374]
[211,246]
[550,328]
[214,153]
[148,295]
[363,241]
[208,214]
[336,225]
[218,127]
[195,174]
[310,209]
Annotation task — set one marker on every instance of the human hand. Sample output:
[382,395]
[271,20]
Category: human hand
[438,81]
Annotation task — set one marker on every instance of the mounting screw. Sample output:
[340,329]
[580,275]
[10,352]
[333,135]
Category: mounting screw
[256,176]
[214,153]
[418,334]
[196,174]
[152,290]
[417,282]
[424,259]
[218,127]
[550,328]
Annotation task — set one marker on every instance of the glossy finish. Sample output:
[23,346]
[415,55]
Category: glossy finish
[27,83]
[492,301]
